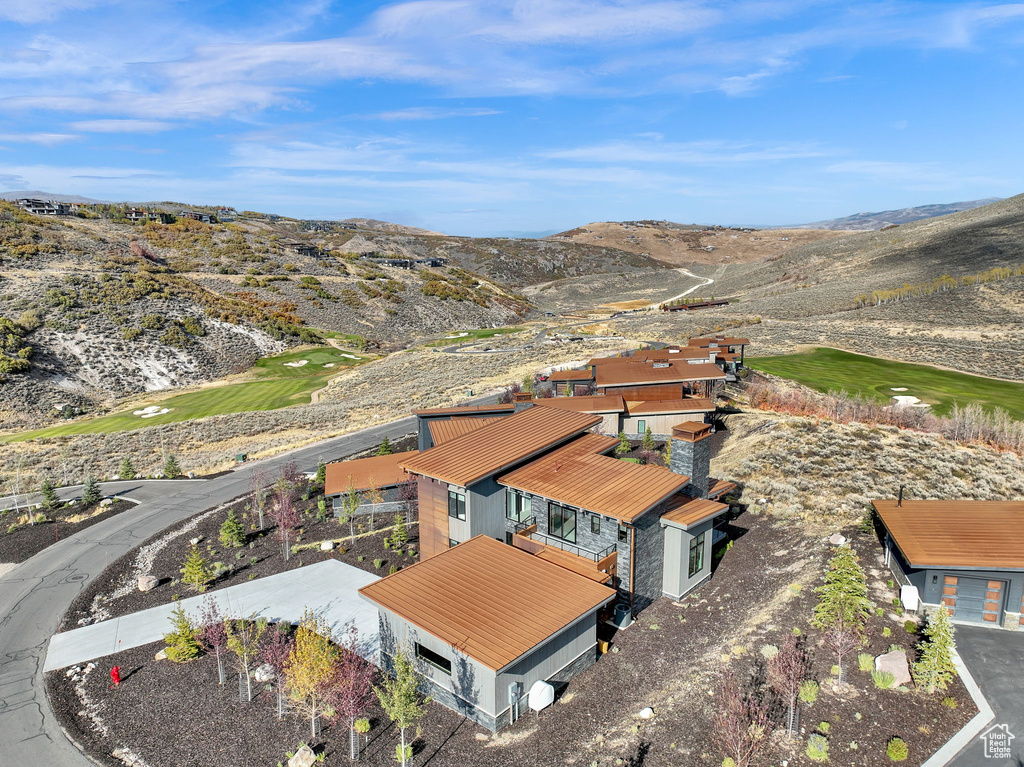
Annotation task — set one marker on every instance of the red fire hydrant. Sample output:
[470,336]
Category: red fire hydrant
[115,675]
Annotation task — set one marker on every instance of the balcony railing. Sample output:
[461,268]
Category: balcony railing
[572,548]
[520,526]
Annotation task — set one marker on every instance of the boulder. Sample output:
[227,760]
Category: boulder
[148,582]
[327,546]
[304,757]
[837,540]
[895,662]
[106,502]
[647,713]
[264,674]
[162,655]
[195,541]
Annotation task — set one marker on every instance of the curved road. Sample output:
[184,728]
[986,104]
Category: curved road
[36,593]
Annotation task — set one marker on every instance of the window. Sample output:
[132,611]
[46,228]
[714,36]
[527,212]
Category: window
[623,533]
[595,524]
[697,554]
[562,522]
[457,505]
[452,543]
[434,659]
[641,426]
[517,506]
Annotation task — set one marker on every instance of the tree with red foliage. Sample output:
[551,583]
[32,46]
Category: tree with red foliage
[275,653]
[285,515]
[353,684]
[741,725]
[213,635]
[786,671]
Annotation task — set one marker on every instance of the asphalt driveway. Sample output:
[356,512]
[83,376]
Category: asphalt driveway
[996,661]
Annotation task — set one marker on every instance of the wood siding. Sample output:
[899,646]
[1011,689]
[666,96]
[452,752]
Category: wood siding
[433,505]
[649,393]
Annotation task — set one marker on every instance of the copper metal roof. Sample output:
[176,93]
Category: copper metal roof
[720,340]
[607,360]
[447,430]
[685,352]
[646,373]
[596,403]
[987,534]
[684,511]
[499,445]
[578,475]
[719,487]
[489,600]
[571,375]
[463,409]
[363,473]
[669,406]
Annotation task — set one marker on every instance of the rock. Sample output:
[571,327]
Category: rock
[148,582]
[264,674]
[304,757]
[647,713]
[162,655]
[195,541]
[837,540]
[481,737]
[106,502]
[327,546]
[895,662]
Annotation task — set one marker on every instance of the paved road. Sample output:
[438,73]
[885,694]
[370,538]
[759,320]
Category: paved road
[138,490]
[995,659]
[35,594]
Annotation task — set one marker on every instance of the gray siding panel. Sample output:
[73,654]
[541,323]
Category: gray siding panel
[486,509]
[677,580]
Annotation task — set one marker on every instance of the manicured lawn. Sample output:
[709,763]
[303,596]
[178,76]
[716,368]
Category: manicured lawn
[276,385]
[832,370]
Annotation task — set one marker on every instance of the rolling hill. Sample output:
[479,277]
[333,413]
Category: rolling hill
[882,219]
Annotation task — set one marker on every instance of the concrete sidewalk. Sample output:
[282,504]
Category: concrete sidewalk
[329,588]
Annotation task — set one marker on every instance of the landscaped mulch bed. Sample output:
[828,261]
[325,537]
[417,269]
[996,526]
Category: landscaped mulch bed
[668,659]
[27,540]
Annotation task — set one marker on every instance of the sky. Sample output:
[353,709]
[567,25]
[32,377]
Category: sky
[484,117]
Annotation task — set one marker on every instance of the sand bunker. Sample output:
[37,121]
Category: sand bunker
[152,410]
[458,335]
[898,388]
[297,364]
[910,402]
[350,356]
[329,365]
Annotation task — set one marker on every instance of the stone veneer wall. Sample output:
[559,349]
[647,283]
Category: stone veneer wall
[650,557]
[692,459]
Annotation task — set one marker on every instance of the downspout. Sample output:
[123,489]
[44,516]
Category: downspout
[632,569]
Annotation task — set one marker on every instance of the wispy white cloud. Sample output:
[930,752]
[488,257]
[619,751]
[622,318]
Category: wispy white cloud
[428,113]
[33,11]
[693,153]
[923,176]
[45,139]
[122,126]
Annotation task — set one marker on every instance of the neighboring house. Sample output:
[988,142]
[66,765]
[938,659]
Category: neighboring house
[967,555]
[658,380]
[303,249]
[426,417]
[610,408]
[381,472]
[485,622]
[567,381]
[728,343]
[661,415]
[45,207]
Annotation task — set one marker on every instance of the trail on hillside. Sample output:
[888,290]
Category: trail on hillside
[688,291]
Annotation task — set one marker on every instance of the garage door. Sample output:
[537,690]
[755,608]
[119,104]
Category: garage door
[978,600]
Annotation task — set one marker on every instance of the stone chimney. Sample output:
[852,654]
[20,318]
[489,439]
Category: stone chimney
[522,400]
[691,455]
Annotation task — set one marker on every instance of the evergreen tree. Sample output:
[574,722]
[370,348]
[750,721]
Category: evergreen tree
[934,669]
[623,447]
[232,532]
[49,492]
[196,572]
[844,596]
[400,698]
[321,473]
[171,467]
[183,640]
[400,535]
[648,443]
[127,470]
[91,494]
[386,448]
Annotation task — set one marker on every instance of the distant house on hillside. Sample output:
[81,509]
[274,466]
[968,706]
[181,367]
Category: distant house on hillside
[44,207]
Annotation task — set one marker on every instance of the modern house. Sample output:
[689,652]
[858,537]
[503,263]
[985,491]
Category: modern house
[380,473]
[731,344]
[649,380]
[966,555]
[428,420]
[569,382]
[45,207]
[485,622]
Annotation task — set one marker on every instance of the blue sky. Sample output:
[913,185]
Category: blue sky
[476,117]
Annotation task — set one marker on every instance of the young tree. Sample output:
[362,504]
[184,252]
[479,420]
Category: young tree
[648,441]
[126,470]
[258,488]
[408,495]
[244,637]
[49,492]
[623,447]
[386,448]
[374,496]
[353,683]
[213,635]
[844,595]
[290,473]
[842,638]
[400,535]
[350,502]
[311,669]
[285,516]
[183,640]
[276,652]
[935,669]
[785,673]
[232,532]
[91,494]
[321,473]
[196,571]
[741,726]
[400,698]
[171,467]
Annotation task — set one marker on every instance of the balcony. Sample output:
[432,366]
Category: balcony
[596,565]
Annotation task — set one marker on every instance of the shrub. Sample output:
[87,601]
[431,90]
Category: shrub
[817,748]
[866,661]
[196,572]
[886,631]
[897,750]
[910,627]
[171,467]
[824,728]
[91,494]
[183,640]
[949,702]
[808,692]
[378,563]
[126,470]
[884,680]
[232,533]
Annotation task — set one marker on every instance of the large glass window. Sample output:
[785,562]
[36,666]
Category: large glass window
[517,506]
[434,659]
[562,522]
[697,554]
[457,505]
